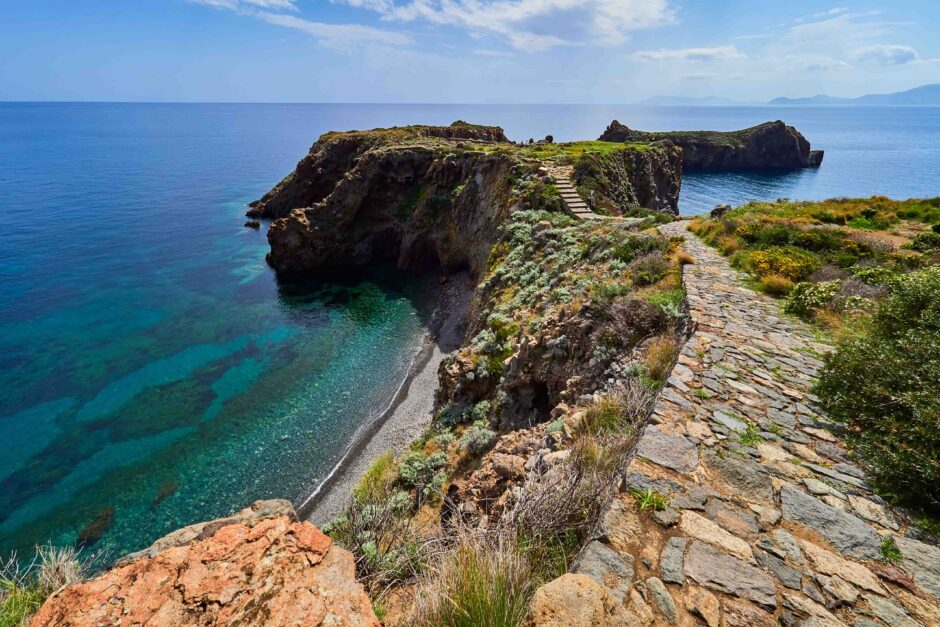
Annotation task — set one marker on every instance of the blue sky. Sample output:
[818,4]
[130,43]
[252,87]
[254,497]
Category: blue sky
[570,51]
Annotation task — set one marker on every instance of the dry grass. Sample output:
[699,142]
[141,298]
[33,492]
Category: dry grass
[660,355]
[484,579]
[619,411]
[776,285]
[685,259]
[728,245]
[24,588]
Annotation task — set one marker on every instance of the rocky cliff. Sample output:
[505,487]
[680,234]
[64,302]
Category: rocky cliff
[435,196]
[258,567]
[768,146]
[647,177]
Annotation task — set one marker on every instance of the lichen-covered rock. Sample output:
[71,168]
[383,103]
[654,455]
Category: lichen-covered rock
[767,146]
[260,567]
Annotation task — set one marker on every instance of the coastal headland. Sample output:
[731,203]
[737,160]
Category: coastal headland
[608,424]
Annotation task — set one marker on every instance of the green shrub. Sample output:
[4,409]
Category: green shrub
[477,439]
[884,385]
[648,269]
[926,241]
[670,301]
[424,474]
[809,297]
[378,478]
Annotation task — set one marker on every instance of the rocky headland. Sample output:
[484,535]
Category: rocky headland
[767,146]
[625,434]
[437,196]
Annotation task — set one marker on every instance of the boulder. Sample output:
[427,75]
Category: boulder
[259,567]
[577,601]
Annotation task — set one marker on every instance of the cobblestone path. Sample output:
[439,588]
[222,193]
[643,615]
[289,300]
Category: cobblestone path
[769,520]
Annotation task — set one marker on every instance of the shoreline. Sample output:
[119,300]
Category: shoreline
[407,415]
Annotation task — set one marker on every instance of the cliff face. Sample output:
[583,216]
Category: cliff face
[615,182]
[768,146]
[259,567]
[337,153]
[432,196]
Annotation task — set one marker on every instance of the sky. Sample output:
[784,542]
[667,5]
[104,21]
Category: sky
[466,51]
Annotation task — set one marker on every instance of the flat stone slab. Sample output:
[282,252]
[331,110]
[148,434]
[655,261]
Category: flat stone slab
[844,531]
[713,568]
[667,449]
[607,567]
[670,562]
[747,477]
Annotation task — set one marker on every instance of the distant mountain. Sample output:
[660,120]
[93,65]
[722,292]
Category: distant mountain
[924,95]
[690,101]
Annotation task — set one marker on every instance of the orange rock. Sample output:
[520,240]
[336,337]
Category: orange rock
[263,568]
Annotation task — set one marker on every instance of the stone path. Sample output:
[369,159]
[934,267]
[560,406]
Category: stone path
[769,520]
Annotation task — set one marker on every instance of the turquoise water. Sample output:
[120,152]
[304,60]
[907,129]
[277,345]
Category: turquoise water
[154,372]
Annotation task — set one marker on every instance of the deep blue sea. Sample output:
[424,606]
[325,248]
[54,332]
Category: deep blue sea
[153,371]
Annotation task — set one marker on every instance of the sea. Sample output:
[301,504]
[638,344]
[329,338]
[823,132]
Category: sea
[155,373]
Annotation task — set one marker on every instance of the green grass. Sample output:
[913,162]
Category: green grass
[574,150]
[17,602]
[478,584]
[750,436]
[890,553]
[650,499]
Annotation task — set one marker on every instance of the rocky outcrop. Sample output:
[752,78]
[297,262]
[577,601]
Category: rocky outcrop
[414,197]
[615,182]
[259,567]
[337,153]
[768,146]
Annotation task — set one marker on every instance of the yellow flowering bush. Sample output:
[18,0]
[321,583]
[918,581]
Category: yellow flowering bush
[785,261]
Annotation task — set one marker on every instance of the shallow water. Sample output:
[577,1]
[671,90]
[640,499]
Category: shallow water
[155,373]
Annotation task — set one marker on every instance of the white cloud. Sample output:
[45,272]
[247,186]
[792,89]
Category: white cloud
[814,62]
[719,53]
[338,36]
[345,36]
[821,14]
[887,54]
[532,24]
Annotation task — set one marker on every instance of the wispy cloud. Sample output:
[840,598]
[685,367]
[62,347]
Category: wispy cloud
[337,36]
[718,53]
[343,36]
[887,54]
[532,25]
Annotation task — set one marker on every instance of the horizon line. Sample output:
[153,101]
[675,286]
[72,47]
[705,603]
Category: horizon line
[454,104]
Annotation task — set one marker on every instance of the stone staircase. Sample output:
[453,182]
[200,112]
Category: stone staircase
[573,202]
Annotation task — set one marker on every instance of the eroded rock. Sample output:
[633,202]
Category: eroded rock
[258,570]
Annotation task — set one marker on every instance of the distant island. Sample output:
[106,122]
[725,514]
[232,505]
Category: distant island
[923,95]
